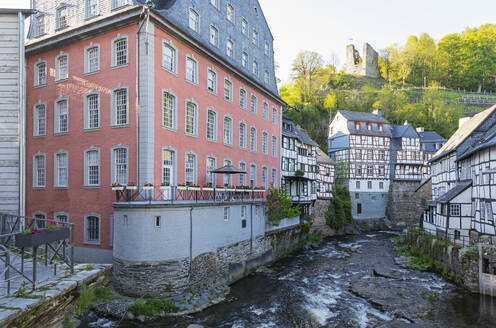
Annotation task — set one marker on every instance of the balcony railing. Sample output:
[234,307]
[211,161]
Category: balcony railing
[178,194]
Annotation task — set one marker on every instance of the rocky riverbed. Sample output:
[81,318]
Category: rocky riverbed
[350,281]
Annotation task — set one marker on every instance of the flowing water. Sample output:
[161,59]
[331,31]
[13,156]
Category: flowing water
[313,289]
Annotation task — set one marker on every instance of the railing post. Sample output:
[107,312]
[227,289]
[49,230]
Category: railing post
[72,249]
[7,271]
[35,254]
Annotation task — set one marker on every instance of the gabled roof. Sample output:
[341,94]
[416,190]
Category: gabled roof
[403,131]
[464,132]
[363,117]
[323,158]
[304,137]
[458,189]
[485,141]
[431,136]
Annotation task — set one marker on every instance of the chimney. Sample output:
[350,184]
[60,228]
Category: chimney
[462,121]
[377,112]
[420,129]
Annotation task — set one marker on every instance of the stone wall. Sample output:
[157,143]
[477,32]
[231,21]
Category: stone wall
[319,219]
[365,66]
[405,203]
[461,265]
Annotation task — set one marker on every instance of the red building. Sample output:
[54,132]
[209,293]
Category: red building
[127,96]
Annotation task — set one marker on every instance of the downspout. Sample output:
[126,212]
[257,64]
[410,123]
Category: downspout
[22,118]
[137,97]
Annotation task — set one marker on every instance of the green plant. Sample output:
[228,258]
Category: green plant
[84,299]
[432,297]
[89,267]
[400,293]
[299,173]
[339,211]
[152,307]
[315,238]
[104,294]
[280,206]
[22,292]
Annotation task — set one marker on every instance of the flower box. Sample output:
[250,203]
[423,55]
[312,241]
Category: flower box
[194,188]
[164,187]
[131,187]
[259,190]
[147,187]
[208,189]
[182,187]
[230,189]
[118,188]
[37,239]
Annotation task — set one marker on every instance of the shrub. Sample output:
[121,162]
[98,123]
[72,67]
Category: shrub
[152,308]
[339,211]
[280,206]
[84,299]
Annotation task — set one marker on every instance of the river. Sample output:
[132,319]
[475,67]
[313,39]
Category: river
[335,286]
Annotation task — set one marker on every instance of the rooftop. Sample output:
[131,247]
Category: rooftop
[363,117]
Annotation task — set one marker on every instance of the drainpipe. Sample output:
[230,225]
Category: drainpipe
[190,240]
[251,228]
[22,118]
[138,95]
[447,220]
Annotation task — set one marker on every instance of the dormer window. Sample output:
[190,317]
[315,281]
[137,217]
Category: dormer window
[91,8]
[381,127]
[357,125]
[230,13]
[40,25]
[369,126]
[62,17]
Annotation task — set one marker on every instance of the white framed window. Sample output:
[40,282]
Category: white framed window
[274,115]
[242,98]
[242,135]
[274,146]
[273,177]
[267,48]
[119,51]
[118,3]
[266,77]
[228,90]
[265,180]
[265,111]
[255,67]
[265,143]
[244,26]
[211,125]
[253,139]
[120,107]
[120,167]
[253,175]
[62,17]
[254,103]
[61,67]
[214,36]
[191,69]
[194,20]
[91,8]
[211,80]
[169,57]
[168,166]
[61,169]
[39,171]
[244,59]
[215,3]
[227,135]
[455,209]
[92,111]
[39,120]
[169,110]
[61,217]
[230,13]
[227,212]
[211,165]
[40,25]
[191,118]
[40,73]
[61,116]
[254,38]
[92,229]
[242,176]
[229,48]
[92,167]
[190,169]
[92,59]
[40,216]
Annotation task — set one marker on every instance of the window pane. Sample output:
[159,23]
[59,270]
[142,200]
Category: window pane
[92,59]
[211,118]
[169,58]
[121,107]
[120,52]
[190,118]
[61,170]
[93,167]
[93,112]
[168,110]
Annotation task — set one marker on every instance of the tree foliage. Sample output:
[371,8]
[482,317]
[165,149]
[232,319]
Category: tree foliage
[280,206]
[339,212]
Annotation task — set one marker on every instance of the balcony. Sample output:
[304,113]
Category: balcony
[189,194]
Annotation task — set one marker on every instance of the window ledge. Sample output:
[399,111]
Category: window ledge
[192,82]
[169,129]
[228,100]
[61,28]
[39,86]
[172,72]
[62,80]
[119,8]
[61,188]
[91,129]
[39,137]
[91,187]
[91,73]
[91,242]
[212,140]
[88,18]
[119,66]
[212,92]
[60,133]
[115,126]
[39,188]
[191,135]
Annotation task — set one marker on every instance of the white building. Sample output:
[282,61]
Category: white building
[363,140]
[463,182]
[12,110]
[325,176]
[406,155]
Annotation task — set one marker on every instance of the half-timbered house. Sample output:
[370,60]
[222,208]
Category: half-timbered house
[406,156]
[430,143]
[325,175]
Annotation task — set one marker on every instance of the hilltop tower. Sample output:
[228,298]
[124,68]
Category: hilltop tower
[366,66]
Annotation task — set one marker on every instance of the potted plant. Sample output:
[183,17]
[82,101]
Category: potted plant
[131,186]
[182,187]
[117,187]
[36,237]
[259,189]
[299,173]
[148,186]
[164,186]
[208,187]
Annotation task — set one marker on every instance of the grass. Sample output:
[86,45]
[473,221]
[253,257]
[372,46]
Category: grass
[14,308]
[84,299]
[22,292]
[104,294]
[89,267]
[152,308]
[400,293]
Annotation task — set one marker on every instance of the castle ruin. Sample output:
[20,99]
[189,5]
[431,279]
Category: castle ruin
[366,66]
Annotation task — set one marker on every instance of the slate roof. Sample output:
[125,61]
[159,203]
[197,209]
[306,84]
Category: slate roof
[485,141]
[286,132]
[431,136]
[363,117]
[464,132]
[458,189]
[323,158]
[304,137]
[403,131]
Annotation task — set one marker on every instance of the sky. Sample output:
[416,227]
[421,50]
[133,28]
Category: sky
[327,26]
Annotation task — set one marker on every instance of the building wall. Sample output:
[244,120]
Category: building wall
[373,204]
[405,203]
[193,246]
[11,113]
